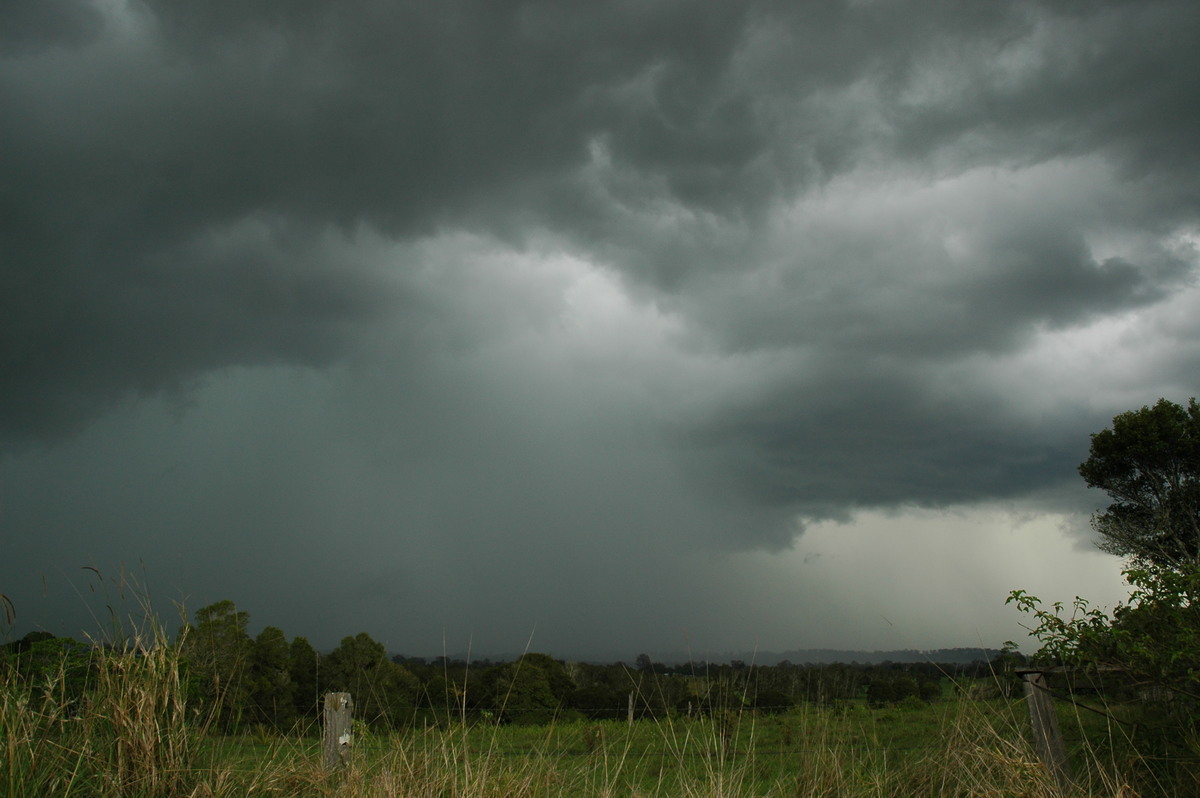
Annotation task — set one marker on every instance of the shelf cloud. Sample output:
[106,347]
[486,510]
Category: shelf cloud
[527,314]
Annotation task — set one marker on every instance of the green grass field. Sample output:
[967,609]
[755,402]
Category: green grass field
[954,747]
[849,750]
[134,736]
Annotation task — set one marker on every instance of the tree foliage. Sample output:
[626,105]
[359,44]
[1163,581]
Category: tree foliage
[303,666]
[235,680]
[42,657]
[1148,462]
[218,650]
[270,683]
[383,691]
[1149,644]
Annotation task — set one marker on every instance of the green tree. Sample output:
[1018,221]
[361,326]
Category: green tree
[562,685]
[520,693]
[1152,643]
[218,651]
[602,690]
[1148,462]
[1153,636]
[891,688]
[383,691]
[270,684]
[772,702]
[303,665]
[41,658]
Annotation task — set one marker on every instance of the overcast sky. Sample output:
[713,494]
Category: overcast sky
[594,327]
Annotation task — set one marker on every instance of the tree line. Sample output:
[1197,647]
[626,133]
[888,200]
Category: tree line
[267,680]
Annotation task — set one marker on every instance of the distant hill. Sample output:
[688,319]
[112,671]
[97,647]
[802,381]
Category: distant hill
[823,656]
[806,656]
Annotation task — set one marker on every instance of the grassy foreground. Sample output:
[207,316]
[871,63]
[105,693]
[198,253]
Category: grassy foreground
[132,733]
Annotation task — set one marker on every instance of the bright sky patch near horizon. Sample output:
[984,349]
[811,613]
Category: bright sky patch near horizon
[714,326]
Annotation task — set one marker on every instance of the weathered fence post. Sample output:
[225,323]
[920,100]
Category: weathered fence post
[630,707]
[337,720]
[1047,736]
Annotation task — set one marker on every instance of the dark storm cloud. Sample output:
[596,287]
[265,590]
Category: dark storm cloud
[835,439]
[778,261]
[189,119]
[128,163]
[33,25]
[81,334]
[887,319]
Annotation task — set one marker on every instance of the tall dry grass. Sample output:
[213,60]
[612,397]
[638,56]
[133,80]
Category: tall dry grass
[127,733]
[132,734]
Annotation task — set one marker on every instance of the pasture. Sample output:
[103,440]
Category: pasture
[124,722]
[136,736]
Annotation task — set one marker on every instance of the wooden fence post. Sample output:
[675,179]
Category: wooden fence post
[630,707]
[1047,736]
[338,735]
